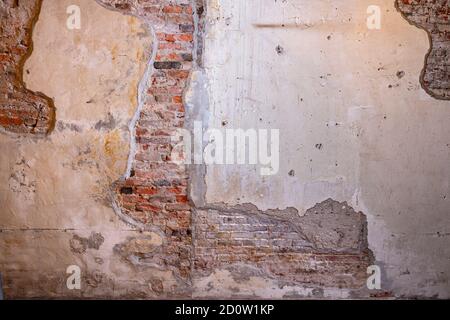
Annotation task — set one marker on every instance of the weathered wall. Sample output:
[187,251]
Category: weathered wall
[355,124]
[56,192]
[241,251]
[153,194]
[432,16]
[364,155]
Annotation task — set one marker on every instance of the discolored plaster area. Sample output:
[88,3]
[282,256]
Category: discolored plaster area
[22,111]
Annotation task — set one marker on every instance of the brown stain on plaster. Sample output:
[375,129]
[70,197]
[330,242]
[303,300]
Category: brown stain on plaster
[114,52]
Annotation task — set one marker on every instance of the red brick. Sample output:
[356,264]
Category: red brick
[173,9]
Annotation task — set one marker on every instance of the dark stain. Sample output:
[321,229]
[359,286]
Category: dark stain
[80,245]
[279,49]
[433,79]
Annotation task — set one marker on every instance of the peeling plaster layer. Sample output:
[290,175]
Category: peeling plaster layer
[142,90]
[317,73]
[433,17]
[353,130]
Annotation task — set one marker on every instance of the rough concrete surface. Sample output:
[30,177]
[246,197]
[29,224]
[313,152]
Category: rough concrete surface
[384,141]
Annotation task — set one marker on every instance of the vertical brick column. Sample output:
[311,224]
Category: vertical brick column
[155,194]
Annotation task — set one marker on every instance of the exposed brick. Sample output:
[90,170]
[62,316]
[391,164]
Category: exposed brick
[159,188]
[432,16]
[172,9]
[21,110]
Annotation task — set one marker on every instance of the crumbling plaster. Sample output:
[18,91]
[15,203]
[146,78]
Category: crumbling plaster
[21,110]
[355,93]
[56,190]
[433,17]
[383,148]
